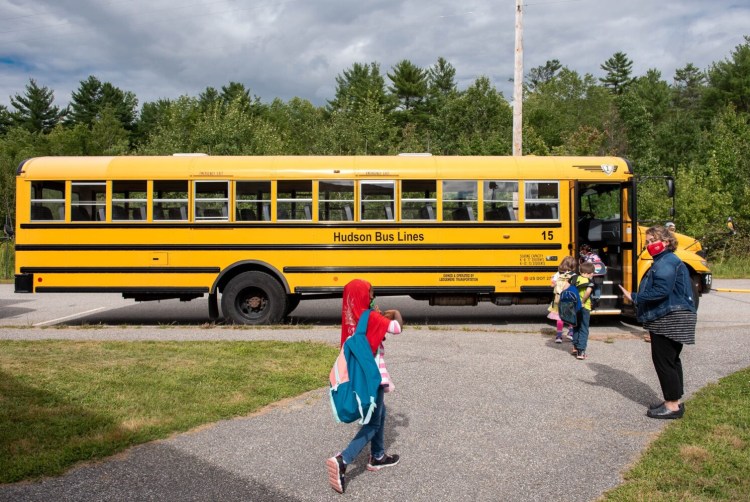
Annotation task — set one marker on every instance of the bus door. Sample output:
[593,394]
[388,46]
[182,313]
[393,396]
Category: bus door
[599,224]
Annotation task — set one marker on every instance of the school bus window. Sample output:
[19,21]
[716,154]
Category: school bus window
[170,199]
[500,200]
[336,200]
[88,201]
[378,199]
[253,200]
[47,200]
[418,199]
[211,200]
[459,200]
[541,200]
[129,200]
[294,200]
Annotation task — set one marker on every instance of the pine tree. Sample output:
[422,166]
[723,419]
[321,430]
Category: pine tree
[34,110]
[5,120]
[358,86]
[93,96]
[409,84]
[618,68]
[689,84]
[441,78]
[84,103]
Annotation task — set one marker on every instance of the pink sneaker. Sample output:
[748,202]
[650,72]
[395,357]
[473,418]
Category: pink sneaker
[336,473]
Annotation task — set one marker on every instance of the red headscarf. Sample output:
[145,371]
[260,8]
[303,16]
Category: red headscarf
[357,300]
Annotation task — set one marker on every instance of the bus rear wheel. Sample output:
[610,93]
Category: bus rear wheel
[253,298]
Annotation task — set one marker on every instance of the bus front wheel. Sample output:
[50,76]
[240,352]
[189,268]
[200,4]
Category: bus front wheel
[253,298]
[695,279]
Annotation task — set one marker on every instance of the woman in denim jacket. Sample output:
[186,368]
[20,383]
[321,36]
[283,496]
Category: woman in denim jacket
[664,303]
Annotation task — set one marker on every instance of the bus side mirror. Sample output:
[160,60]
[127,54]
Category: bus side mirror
[670,188]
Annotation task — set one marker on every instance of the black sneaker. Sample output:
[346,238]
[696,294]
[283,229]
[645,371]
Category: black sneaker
[386,461]
[336,471]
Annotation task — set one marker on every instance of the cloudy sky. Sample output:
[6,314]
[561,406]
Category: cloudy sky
[287,48]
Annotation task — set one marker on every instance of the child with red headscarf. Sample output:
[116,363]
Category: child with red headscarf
[359,297]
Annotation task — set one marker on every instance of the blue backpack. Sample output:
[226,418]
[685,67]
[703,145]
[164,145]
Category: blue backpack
[355,378]
[570,303]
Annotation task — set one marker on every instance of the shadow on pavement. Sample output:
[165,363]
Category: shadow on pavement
[154,472]
[623,383]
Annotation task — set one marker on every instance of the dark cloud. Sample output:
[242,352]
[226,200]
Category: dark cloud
[287,48]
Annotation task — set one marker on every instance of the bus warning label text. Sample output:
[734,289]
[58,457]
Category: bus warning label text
[532,260]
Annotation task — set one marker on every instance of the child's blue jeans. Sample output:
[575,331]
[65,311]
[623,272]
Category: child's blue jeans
[581,332]
[373,431]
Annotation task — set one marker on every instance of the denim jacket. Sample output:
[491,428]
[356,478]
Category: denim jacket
[665,288]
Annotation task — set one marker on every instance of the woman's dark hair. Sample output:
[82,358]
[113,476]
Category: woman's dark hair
[663,234]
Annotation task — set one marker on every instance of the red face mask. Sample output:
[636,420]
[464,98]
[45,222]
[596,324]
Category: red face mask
[655,248]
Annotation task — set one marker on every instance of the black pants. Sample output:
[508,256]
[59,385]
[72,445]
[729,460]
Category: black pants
[665,353]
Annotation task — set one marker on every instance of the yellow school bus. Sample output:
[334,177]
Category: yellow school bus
[260,234]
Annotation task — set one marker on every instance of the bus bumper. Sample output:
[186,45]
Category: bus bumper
[24,283]
[706,283]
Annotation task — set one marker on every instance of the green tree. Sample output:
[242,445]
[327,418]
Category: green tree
[689,86]
[92,97]
[85,102]
[362,130]
[633,132]
[358,86]
[729,80]
[209,98]
[619,69]
[542,74]
[559,107]
[654,93]
[237,93]
[173,127]
[441,79]
[299,123]
[152,114]
[5,120]
[34,110]
[477,121]
[108,135]
[727,142]
[409,85]
[678,133]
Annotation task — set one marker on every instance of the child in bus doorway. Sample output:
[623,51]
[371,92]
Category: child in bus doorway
[588,255]
[359,297]
[565,271]
[585,288]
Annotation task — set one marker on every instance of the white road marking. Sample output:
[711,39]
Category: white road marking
[69,316]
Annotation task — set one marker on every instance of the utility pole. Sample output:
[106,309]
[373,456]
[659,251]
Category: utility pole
[518,84]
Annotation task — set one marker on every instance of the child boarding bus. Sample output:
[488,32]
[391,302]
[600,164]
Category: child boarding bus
[260,234]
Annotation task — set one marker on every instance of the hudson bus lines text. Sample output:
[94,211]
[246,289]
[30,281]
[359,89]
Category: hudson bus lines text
[378,237]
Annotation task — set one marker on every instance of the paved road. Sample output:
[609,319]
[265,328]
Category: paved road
[487,407]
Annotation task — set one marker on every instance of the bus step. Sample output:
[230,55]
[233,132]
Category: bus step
[606,312]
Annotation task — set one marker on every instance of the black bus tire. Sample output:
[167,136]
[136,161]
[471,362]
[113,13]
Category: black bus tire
[253,298]
[696,281]
[292,302]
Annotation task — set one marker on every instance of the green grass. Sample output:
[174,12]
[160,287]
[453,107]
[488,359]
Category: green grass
[731,268]
[704,456]
[7,260]
[62,402]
